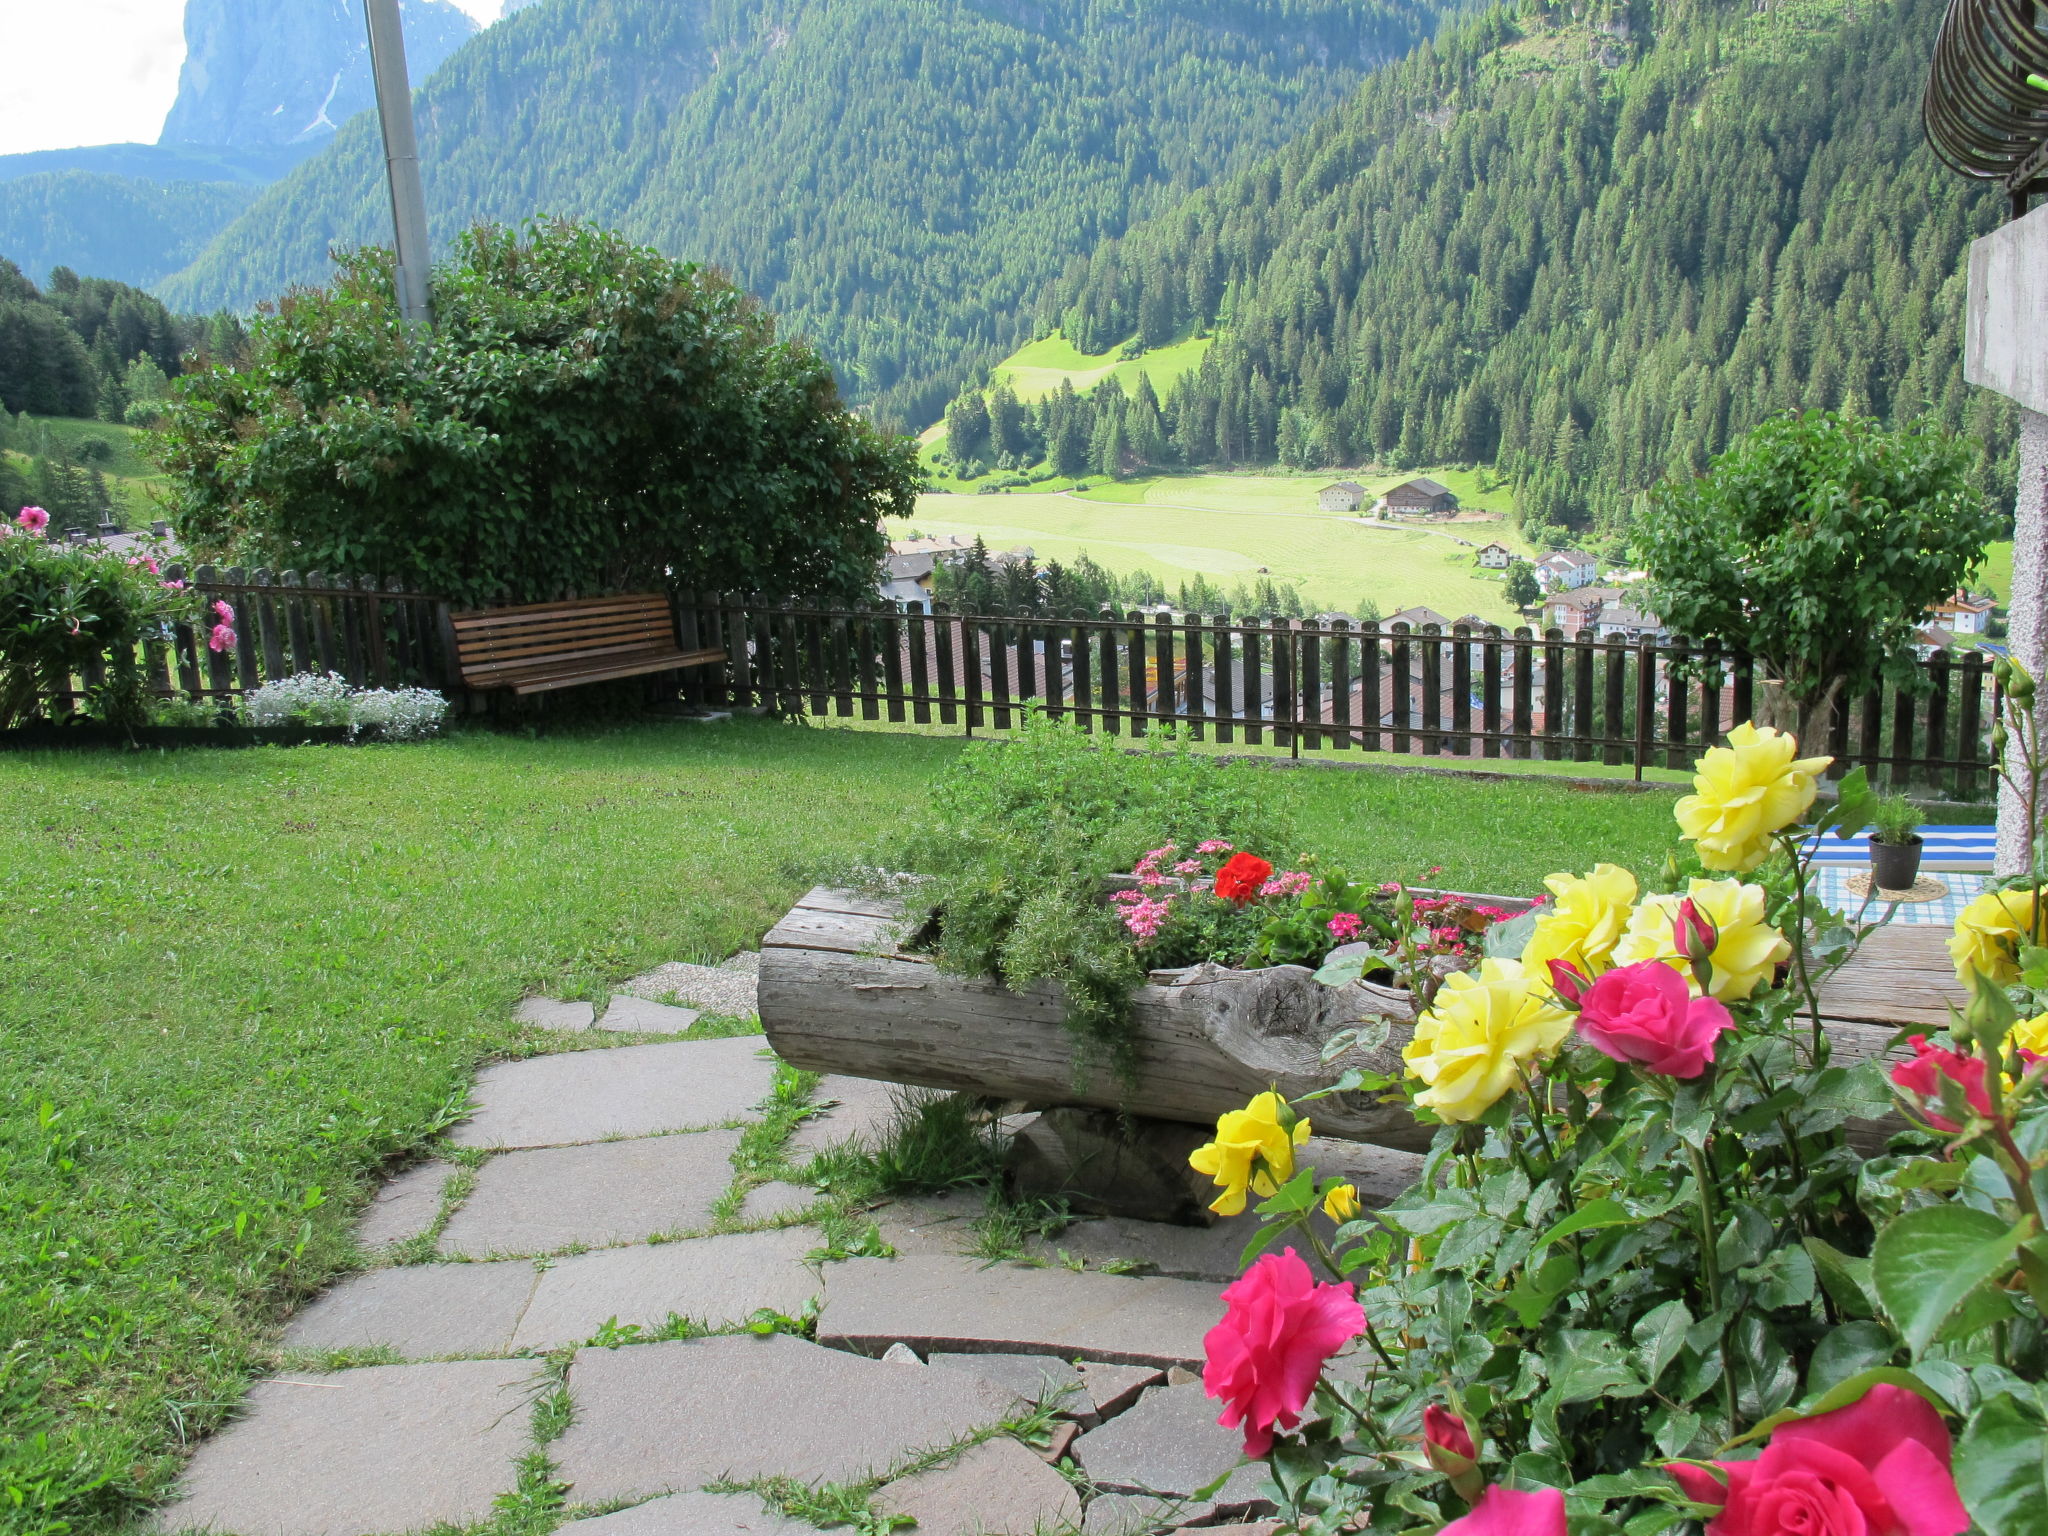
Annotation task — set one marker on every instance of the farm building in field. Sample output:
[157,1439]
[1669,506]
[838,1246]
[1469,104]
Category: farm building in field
[1341,496]
[1420,497]
[1495,557]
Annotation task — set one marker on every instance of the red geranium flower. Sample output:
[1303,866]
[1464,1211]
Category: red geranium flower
[1241,876]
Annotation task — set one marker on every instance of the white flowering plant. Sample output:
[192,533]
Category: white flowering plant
[324,699]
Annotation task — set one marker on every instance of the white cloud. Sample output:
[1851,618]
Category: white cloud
[87,71]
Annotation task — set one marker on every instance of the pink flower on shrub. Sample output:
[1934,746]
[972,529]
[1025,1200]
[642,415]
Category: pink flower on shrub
[1127,896]
[224,613]
[1290,882]
[221,639]
[172,586]
[1879,1467]
[1145,916]
[1646,1014]
[1514,1512]
[1264,1358]
[34,519]
[1344,926]
[1213,845]
[1188,867]
[147,560]
[1922,1077]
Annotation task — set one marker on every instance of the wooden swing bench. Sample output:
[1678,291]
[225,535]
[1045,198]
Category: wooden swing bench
[539,647]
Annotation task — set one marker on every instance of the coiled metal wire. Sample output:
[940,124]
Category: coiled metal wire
[1983,116]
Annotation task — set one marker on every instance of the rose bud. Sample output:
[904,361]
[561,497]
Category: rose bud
[1568,982]
[1694,932]
[1447,1442]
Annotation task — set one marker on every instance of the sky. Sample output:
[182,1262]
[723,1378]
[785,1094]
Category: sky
[98,71]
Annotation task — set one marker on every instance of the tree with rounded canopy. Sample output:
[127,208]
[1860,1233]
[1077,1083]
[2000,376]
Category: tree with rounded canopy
[1816,544]
[585,416]
[1522,588]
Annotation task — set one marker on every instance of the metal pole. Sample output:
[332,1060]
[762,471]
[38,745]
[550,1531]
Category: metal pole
[401,159]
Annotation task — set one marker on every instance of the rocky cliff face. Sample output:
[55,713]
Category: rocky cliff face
[291,71]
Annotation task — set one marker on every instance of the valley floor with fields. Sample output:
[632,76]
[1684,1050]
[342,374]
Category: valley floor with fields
[1232,528]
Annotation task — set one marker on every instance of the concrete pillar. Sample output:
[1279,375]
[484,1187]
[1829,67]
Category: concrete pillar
[2026,610]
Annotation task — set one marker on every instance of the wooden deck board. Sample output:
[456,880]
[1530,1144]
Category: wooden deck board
[1901,976]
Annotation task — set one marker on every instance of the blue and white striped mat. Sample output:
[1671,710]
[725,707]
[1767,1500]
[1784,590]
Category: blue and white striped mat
[1947,848]
[1831,889]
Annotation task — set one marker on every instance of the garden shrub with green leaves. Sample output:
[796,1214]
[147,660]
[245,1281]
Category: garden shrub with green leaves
[585,416]
[65,607]
[1668,1261]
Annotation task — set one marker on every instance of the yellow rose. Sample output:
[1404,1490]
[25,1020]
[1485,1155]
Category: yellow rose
[1583,925]
[1252,1150]
[1746,952]
[2029,1035]
[1341,1203]
[1744,792]
[1988,934]
[1484,1033]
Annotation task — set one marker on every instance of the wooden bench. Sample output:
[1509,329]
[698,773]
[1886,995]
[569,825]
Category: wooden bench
[544,646]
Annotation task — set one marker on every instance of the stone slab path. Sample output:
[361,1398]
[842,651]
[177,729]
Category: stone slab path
[584,1316]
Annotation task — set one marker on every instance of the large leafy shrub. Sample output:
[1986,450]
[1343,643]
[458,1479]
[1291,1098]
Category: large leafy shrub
[585,415]
[1816,544]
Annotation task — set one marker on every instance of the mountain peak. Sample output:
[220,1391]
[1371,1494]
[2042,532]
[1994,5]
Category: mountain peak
[261,72]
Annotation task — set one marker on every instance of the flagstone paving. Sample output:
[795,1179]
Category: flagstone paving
[589,1308]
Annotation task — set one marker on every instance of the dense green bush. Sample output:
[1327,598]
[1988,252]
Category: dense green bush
[585,415]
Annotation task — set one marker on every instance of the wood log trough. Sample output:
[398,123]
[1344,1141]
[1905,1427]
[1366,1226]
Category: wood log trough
[840,993]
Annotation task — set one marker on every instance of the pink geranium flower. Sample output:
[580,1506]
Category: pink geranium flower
[1879,1467]
[1344,926]
[1264,1358]
[1645,1013]
[34,519]
[1512,1512]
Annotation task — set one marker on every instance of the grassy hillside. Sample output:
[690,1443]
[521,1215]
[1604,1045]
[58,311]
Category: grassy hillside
[130,475]
[898,178]
[1037,368]
[1228,527]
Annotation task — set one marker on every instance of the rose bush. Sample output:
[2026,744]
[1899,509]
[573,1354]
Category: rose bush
[1668,1265]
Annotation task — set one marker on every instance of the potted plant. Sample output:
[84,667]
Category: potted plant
[1894,844]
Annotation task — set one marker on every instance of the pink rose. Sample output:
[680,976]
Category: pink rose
[221,639]
[1931,1063]
[1645,1013]
[1278,1328]
[34,519]
[1344,926]
[1568,982]
[1879,1467]
[1693,933]
[1512,1512]
[224,613]
[1443,1430]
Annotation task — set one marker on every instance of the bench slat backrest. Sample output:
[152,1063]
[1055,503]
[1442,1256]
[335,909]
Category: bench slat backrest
[536,634]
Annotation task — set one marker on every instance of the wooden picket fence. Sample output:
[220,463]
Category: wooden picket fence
[372,634]
[1311,687]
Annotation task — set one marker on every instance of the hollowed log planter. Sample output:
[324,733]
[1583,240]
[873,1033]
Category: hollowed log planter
[839,995]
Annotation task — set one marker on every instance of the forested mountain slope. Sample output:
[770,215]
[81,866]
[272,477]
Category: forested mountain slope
[1585,245]
[899,178]
[134,230]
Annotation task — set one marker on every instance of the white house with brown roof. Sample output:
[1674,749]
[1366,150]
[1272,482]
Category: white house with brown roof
[1962,614]
[1495,557]
[1565,570]
[1341,496]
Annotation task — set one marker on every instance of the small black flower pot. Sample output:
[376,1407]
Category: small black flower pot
[1895,866]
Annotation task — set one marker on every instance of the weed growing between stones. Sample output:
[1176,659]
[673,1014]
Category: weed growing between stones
[939,1141]
[1005,1227]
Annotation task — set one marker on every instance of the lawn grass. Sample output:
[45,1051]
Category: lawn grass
[238,986]
[1226,527]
